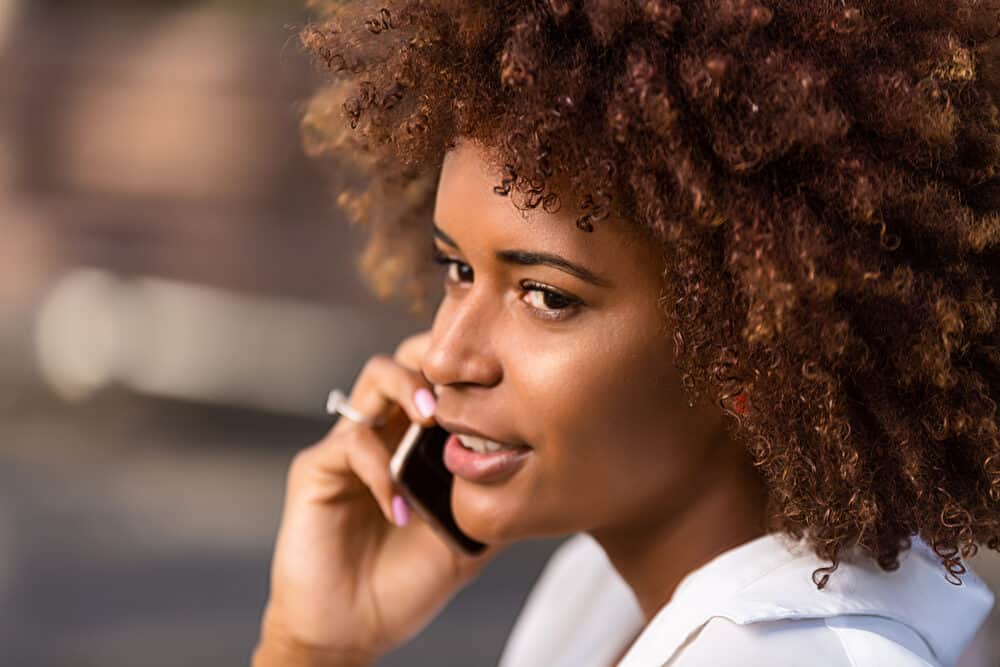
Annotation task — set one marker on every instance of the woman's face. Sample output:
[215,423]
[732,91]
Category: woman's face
[583,375]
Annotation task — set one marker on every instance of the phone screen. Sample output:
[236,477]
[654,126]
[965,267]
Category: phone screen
[421,472]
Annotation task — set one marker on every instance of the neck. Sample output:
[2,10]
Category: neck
[727,511]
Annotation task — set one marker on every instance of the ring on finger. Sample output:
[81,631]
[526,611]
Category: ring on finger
[336,403]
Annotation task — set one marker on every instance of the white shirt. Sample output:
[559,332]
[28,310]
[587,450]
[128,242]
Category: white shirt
[753,605]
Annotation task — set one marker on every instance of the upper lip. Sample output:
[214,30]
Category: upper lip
[461,429]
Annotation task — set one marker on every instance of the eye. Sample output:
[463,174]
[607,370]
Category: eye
[457,269]
[546,302]
[550,304]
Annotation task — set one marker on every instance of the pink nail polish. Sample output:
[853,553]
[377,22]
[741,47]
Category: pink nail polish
[425,401]
[400,510]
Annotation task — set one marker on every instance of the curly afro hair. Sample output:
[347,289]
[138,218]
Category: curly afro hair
[824,178]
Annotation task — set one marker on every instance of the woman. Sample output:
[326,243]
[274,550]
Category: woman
[724,271]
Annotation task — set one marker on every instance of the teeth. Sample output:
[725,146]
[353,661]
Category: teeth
[481,445]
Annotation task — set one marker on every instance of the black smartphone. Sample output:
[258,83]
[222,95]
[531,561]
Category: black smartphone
[418,470]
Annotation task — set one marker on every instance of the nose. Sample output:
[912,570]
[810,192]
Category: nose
[461,350]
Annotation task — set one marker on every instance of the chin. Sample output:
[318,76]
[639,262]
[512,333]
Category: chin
[497,514]
[486,513]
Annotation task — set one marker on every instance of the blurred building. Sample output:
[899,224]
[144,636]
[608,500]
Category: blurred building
[158,144]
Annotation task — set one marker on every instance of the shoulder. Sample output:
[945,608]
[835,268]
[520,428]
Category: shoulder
[578,613]
[856,640]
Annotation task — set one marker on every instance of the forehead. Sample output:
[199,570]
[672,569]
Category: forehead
[472,213]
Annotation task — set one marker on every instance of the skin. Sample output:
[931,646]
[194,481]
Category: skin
[616,451]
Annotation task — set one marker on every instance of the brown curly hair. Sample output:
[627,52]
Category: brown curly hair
[823,180]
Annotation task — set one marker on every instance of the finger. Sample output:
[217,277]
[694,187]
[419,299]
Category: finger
[368,458]
[358,455]
[411,351]
[384,383]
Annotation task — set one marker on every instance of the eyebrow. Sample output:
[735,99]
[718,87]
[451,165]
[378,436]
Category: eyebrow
[533,258]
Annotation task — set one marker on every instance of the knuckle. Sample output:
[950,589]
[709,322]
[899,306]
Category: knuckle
[301,462]
[380,361]
[374,364]
[386,370]
[406,347]
[410,351]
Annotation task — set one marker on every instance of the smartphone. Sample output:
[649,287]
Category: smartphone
[418,470]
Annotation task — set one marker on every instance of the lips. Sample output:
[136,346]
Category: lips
[483,468]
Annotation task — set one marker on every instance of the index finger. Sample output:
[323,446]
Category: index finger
[384,384]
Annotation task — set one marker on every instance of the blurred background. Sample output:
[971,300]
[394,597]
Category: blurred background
[177,296]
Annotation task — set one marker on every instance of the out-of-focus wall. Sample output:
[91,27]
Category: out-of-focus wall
[148,144]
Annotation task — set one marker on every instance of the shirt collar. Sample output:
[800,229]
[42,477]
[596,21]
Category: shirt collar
[770,578]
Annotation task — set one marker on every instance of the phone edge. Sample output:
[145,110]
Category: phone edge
[395,467]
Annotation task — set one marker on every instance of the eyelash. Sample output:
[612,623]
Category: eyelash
[572,303]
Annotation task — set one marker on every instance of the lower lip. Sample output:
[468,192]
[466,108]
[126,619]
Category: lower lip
[476,467]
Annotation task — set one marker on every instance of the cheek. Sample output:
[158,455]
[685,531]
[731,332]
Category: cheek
[608,415]
[615,371]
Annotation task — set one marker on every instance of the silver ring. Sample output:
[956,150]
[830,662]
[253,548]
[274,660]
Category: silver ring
[336,403]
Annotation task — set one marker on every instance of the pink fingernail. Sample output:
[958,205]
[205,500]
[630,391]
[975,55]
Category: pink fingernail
[400,510]
[425,401]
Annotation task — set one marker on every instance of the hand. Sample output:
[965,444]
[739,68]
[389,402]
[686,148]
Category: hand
[347,584]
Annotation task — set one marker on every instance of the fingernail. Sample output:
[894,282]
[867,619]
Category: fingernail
[400,510]
[425,401]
